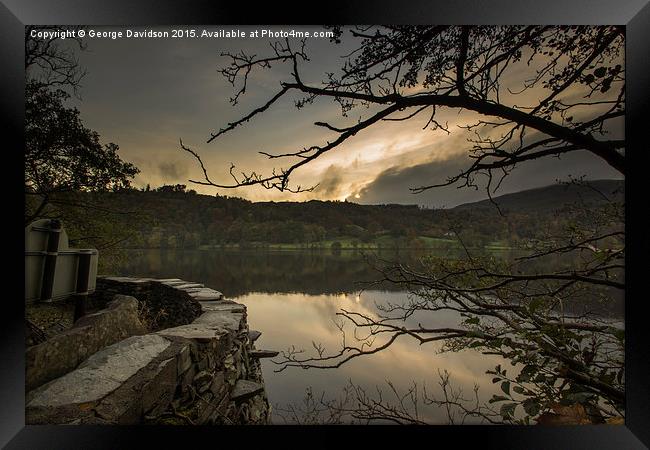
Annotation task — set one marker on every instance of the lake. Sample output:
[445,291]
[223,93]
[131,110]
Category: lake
[293,297]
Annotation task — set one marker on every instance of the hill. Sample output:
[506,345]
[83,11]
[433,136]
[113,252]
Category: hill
[173,217]
[553,197]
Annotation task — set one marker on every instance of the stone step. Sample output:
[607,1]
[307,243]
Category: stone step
[220,306]
[229,321]
[188,286]
[263,353]
[128,279]
[207,294]
[245,389]
[174,283]
[100,374]
[191,290]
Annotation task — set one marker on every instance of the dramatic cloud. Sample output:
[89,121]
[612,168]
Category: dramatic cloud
[330,184]
[392,185]
[146,94]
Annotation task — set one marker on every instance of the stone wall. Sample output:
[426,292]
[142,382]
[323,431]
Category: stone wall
[163,303]
[203,372]
[64,352]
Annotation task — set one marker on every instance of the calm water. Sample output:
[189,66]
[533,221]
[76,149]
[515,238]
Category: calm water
[293,297]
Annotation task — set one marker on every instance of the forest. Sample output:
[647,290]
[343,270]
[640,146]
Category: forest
[172,216]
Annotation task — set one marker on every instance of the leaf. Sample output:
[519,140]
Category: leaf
[497,398]
[565,415]
[531,406]
[518,390]
[507,410]
[576,397]
[615,421]
[600,72]
[505,387]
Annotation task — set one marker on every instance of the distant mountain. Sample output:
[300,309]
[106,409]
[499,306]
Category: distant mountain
[553,197]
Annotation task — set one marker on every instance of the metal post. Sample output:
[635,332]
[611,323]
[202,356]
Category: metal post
[50,260]
[83,273]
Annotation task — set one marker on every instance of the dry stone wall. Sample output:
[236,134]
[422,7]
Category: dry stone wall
[206,371]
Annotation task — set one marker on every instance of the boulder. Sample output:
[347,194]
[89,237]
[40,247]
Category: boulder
[245,389]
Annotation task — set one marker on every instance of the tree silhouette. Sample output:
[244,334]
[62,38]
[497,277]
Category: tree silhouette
[61,154]
[537,91]
[572,89]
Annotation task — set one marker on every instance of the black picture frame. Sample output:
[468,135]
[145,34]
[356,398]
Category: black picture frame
[634,14]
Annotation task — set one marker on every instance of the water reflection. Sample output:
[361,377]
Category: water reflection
[293,298]
[299,319]
[237,273]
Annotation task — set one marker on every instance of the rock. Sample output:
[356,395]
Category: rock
[254,335]
[184,360]
[203,377]
[191,290]
[159,391]
[188,377]
[128,280]
[64,352]
[263,353]
[201,332]
[227,321]
[198,369]
[220,306]
[218,384]
[188,286]
[206,294]
[245,389]
[100,374]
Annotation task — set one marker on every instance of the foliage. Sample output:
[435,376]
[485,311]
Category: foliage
[537,91]
[65,163]
[551,325]
[171,217]
[61,154]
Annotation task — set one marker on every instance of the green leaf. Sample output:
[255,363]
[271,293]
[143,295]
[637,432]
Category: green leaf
[507,410]
[505,387]
[518,390]
[497,398]
[600,72]
[531,406]
[472,321]
[577,397]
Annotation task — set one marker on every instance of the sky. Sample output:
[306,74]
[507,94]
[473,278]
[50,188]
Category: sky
[146,94]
